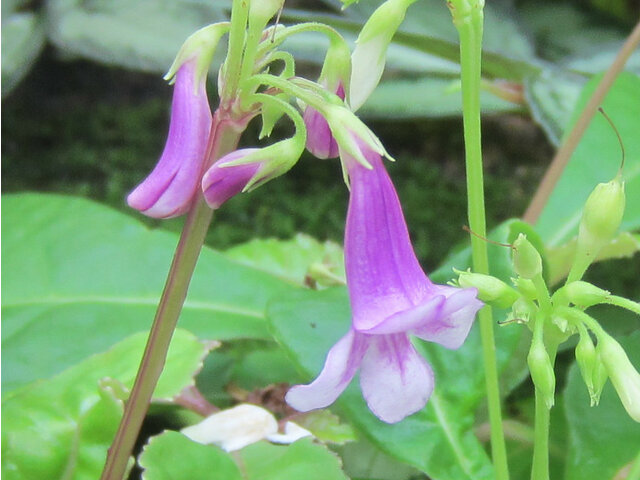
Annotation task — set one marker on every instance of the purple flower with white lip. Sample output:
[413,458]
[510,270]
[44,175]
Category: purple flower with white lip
[220,183]
[320,140]
[168,190]
[391,298]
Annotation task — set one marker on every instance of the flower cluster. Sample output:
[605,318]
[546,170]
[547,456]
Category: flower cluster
[391,298]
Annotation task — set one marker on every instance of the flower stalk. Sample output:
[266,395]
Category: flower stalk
[223,139]
[468,20]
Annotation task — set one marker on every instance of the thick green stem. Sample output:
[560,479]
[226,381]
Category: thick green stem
[224,138]
[540,468]
[468,19]
[233,64]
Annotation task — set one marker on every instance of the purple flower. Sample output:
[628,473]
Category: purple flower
[320,141]
[391,298]
[220,183]
[169,189]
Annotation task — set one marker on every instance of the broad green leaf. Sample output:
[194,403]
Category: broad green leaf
[361,459]
[437,440]
[78,277]
[23,38]
[290,259]
[596,160]
[602,439]
[301,459]
[424,97]
[552,95]
[171,456]
[62,427]
[561,258]
[139,34]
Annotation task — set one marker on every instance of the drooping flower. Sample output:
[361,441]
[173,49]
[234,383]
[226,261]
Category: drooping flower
[391,298]
[220,183]
[168,190]
[170,187]
[320,140]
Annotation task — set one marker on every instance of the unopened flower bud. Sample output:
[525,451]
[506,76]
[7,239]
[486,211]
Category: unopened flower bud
[525,287]
[591,367]
[542,373]
[602,216]
[490,289]
[526,260]
[584,294]
[369,56]
[261,11]
[624,376]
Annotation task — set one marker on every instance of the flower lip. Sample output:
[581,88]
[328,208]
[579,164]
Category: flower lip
[170,187]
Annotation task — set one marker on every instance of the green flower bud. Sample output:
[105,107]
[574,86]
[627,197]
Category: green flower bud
[584,294]
[490,289]
[591,367]
[601,216]
[525,287]
[624,376]
[261,11]
[526,260]
[542,372]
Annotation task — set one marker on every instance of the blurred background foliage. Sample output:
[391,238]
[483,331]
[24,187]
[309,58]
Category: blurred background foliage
[86,111]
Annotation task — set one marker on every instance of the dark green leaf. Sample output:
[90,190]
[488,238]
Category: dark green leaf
[62,427]
[78,277]
[603,439]
[596,160]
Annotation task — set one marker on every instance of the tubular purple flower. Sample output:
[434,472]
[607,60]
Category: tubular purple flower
[391,298]
[168,190]
[320,140]
[220,183]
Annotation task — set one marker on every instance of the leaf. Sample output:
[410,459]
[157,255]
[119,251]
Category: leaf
[603,439]
[552,96]
[307,323]
[171,455]
[301,459]
[424,97]
[62,427]
[23,38]
[596,160]
[560,259]
[139,34]
[290,259]
[78,277]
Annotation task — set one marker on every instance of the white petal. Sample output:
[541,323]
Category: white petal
[396,381]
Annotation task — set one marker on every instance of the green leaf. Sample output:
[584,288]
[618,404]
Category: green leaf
[424,97]
[301,459]
[603,439]
[290,259]
[596,160]
[308,323]
[23,38]
[78,277]
[171,455]
[139,34]
[552,95]
[561,258]
[62,427]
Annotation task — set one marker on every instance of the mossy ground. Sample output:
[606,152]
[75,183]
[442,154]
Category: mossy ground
[82,129]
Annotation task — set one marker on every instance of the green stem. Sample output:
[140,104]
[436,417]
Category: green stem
[224,138]
[233,63]
[468,20]
[540,466]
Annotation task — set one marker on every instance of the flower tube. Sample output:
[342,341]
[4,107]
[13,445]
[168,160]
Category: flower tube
[391,298]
